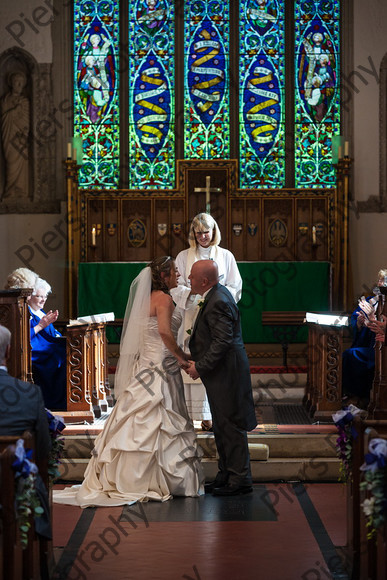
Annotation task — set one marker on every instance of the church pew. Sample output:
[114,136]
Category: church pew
[373,560]
[361,550]
[36,556]
[1,538]
[11,547]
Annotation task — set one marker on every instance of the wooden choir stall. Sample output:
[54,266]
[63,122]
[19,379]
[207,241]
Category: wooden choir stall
[15,316]
[88,392]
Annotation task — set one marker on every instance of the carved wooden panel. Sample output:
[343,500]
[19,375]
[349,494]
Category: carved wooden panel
[78,394]
[323,393]
[256,225]
[15,316]
[278,229]
[87,384]
[378,396]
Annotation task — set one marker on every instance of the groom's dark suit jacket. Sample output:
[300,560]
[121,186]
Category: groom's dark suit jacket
[217,348]
[22,408]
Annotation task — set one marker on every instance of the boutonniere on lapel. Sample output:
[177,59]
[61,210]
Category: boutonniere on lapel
[201,304]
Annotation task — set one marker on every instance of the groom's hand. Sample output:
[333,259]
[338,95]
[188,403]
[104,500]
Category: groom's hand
[191,370]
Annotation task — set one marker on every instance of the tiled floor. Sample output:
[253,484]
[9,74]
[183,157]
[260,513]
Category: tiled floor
[279,532]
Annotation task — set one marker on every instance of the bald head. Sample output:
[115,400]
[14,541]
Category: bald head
[5,342]
[204,275]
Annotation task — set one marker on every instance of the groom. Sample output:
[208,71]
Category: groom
[221,362]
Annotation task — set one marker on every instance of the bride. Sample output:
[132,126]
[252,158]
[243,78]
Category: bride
[147,449]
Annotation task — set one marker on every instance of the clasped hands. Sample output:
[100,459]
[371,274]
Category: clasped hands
[189,367]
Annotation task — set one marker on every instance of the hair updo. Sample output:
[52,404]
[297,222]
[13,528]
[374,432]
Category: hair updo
[159,266]
[21,278]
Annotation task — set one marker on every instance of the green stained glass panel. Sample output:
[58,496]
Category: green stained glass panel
[317,90]
[96,96]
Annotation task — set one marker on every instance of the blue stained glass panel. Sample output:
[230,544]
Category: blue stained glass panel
[206,89]
[151,94]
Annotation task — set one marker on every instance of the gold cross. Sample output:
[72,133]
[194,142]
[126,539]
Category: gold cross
[207,190]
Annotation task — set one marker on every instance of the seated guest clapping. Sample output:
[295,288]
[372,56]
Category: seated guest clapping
[48,349]
[359,360]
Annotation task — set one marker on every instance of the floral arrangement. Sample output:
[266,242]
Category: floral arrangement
[343,421]
[375,483]
[27,501]
[55,427]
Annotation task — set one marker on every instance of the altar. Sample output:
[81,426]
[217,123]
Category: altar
[267,286]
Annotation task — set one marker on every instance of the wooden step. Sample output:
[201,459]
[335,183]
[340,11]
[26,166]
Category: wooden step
[274,457]
[274,469]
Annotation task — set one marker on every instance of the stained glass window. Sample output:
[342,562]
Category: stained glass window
[151,94]
[317,92]
[206,84]
[96,96]
[286,59]
[262,86]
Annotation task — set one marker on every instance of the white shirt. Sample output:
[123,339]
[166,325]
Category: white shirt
[229,274]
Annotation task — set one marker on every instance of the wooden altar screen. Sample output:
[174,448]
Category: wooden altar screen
[256,225]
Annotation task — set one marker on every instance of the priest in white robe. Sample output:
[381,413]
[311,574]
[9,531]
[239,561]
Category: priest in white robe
[204,238]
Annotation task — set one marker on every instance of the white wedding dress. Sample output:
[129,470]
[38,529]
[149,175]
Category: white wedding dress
[147,450]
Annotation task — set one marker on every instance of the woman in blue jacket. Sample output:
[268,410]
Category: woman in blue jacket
[48,349]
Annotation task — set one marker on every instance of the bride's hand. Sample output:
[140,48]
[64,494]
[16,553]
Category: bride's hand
[191,370]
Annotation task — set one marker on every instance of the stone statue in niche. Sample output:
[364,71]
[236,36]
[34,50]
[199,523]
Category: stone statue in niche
[15,131]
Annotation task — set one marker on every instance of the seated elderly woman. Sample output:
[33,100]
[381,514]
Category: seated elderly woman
[48,346]
[48,349]
[359,360]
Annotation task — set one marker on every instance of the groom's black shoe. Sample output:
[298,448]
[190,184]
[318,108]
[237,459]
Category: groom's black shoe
[210,486]
[229,489]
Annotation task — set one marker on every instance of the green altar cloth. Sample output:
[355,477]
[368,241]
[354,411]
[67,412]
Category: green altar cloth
[294,286]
